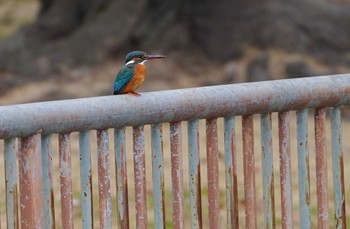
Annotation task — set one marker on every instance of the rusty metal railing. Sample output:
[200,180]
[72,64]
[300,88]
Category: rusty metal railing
[30,197]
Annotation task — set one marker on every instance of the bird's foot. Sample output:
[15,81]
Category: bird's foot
[133,93]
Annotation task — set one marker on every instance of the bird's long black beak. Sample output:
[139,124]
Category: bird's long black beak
[152,57]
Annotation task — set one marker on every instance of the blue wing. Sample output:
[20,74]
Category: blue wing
[123,78]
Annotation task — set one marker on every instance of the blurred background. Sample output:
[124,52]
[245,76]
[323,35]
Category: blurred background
[51,49]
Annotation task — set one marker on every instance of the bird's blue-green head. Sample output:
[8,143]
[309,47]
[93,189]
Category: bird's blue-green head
[139,57]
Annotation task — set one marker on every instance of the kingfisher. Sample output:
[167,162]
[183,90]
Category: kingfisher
[133,73]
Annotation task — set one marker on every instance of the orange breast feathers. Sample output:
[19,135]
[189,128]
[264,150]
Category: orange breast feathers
[137,79]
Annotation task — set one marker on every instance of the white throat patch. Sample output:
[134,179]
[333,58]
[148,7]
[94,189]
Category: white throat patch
[130,62]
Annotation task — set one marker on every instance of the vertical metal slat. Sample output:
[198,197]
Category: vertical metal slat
[30,182]
[249,171]
[104,188]
[303,169]
[140,178]
[66,181]
[194,175]
[11,183]
[267,172]
[338,168]
[231,173]
[285,169]
[86,179]
[213,173]
[158,176]
[177,174]
[48,197]
[122,179]
[321,168]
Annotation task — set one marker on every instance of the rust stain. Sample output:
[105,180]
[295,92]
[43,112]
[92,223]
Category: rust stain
[343,189]
[199,198]
[272,198]
[321,168]
[140,178]
[121,178]
[307,194]
[177,175]
[285,169]
[213,173]
[249,172]
[29,159]
[235,215]
[66,181]
[104,190]
[208,102]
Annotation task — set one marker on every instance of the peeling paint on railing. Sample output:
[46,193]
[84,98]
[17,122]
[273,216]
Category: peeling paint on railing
[267,170]
[321,169]
[158,176]
[231,173]
[86,180]
[194,174]
[30,203]
[173,105]
[104,188]
[303,169]
[177,175]
[285,169]
[66,180]
[338,168]
[249,171]
[121,179]
[30,182]
[11,183]
[213,173]
[140,178]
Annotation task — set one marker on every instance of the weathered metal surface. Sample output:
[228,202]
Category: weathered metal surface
[177,175]
[321,169]
[11,184]
[231,173]
[30,182]
[338,168]
[140,177]
[66,180]
[173,105]
[122,179]
[48,196]
[303,169]
[267,172]
[249,172]
[86,180]
[285,169]
[104,187]
[176,106]
[158,176]
[194,174]
[213,174]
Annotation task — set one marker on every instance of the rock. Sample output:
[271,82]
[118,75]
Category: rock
[299,68]
[257,69]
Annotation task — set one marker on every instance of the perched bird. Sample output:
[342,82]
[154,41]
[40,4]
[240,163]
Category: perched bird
[133,73]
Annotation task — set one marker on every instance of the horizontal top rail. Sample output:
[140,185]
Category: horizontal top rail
[66,116]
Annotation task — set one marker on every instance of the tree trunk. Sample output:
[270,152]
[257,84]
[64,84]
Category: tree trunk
[75,32]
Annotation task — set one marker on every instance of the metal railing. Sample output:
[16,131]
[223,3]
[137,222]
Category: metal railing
[31,204]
